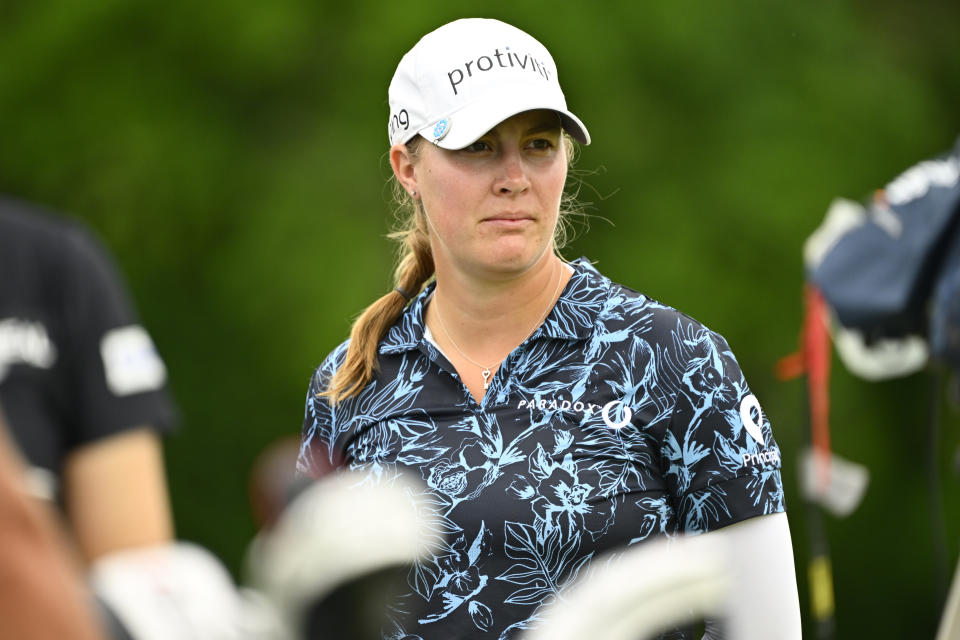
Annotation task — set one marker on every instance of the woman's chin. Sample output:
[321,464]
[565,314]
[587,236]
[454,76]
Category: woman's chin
[513,260]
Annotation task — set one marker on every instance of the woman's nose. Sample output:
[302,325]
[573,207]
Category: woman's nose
[513,175]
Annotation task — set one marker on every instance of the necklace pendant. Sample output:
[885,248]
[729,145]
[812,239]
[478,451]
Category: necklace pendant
[486,378]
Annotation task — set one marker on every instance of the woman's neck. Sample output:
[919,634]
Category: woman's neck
[485,319]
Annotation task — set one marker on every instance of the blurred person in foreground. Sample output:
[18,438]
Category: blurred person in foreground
[84,394]
[42,594]
[85,397]
[82,385]
[83,389]
[553,414]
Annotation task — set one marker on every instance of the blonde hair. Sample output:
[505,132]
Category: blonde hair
[414,268]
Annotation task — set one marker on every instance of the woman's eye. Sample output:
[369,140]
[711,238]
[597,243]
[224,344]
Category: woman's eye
[479,145]
[541,144]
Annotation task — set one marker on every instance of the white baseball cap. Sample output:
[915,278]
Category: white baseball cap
[463,79]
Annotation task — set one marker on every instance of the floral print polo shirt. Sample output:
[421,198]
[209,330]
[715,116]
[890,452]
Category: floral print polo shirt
[618,420]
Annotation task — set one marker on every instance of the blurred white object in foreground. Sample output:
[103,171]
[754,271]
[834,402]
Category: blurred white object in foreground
[950,620]
[648,589]
[181,591]
[740,579]
[341,527]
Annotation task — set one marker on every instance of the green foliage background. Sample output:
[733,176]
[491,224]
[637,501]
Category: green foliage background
[232,155]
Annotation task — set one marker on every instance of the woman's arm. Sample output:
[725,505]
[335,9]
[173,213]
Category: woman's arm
[762,599]
[115,494]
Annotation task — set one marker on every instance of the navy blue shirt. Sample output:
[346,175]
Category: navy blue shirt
[76,366]
[618,420]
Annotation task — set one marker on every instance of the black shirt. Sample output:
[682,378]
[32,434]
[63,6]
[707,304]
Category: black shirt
[75,365]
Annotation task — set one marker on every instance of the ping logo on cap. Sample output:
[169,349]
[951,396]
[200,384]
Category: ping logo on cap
[440,129]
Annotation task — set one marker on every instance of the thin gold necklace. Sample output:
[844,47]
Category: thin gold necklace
[485,371]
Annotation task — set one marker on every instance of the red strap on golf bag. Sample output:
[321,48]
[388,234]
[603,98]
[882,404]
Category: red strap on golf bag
[813,359]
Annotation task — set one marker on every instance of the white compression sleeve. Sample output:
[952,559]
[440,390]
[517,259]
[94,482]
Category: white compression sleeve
[763,600]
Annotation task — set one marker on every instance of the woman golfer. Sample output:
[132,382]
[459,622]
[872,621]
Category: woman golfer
[552,414]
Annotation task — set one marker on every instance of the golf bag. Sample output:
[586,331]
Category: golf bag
[891,270]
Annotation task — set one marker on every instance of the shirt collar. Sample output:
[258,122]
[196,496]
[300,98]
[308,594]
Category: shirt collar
[407,332]
[575,314]
[572,318]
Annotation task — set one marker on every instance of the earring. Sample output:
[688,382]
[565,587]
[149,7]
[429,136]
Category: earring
[413,193]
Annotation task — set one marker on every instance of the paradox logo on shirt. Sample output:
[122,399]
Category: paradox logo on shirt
[616,414]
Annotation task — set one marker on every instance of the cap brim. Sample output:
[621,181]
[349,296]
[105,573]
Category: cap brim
[470,122]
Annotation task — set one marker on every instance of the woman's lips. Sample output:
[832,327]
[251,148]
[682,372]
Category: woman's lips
[509,219]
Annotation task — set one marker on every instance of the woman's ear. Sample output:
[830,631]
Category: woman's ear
[402,164]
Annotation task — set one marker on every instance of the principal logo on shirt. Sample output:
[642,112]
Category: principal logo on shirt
[616,414]
[750,407]
[25,342]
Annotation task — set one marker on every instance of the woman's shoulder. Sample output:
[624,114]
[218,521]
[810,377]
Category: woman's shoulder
[632,307]
[324,371]
[621,308]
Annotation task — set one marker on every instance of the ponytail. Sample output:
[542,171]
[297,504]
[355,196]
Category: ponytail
[414,268]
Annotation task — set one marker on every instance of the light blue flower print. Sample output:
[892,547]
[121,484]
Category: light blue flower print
[703,507]
[542,566]
[618,461]
[683,458]
[547,373]
[562,496]
[488,440]
[768,491]
[640,384]
[447,478]
[764,491]
[578,306]
[539,362]
[705,379]
[399,633]
[562,500]
[656,519]
[481,615]
[462,479]
[515,452]
[393,397]
[423,575]
[409,441]
[730,454]
[458,577]
[601,340]
[562,440]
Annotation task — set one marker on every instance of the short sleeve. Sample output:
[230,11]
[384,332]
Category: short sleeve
[319,451]
[114,376]
[722,462]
